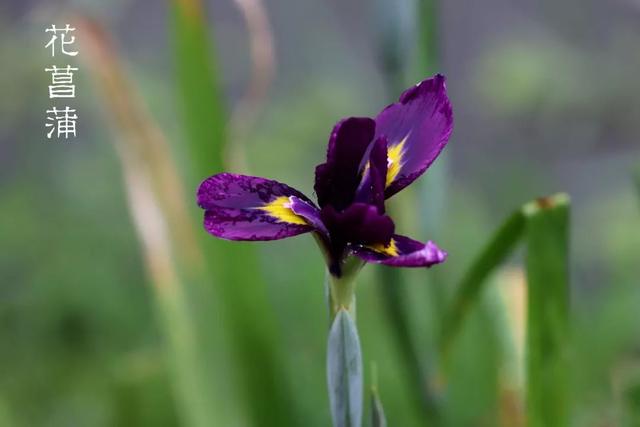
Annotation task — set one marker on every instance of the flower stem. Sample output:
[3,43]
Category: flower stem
[341,297]
[341,289]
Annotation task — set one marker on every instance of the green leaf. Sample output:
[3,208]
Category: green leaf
[254,344]
[344,372]
[636,180]
[393,290]
[169,245]
[547,311]
[469,289]
[378,418]
[428,37]
[203,109]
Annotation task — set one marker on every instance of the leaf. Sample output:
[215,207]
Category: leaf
[547,311]
[169,246]
[378,418]
[197,74]
[254,345]
[394,294]
[344,372]
[469,289]
[636,180]
[428,55]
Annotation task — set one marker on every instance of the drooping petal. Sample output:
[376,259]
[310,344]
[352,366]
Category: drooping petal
[372,184]
[402,252]
[240,207]
[310,213]
[359,223]
[417,129]
[337,179]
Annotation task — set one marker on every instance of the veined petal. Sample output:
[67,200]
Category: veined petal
[240,207]
[417,129]
[337,179]
[402,252]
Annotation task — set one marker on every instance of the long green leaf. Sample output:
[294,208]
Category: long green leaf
[393,290]
[172,257]
[428,37]
[201,99]
[403,59]
[344,372]
[254,343]
[636,180]
[547,311]
[378,418]
[470,287]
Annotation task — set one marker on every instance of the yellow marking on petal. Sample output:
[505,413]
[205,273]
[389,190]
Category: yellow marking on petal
[280,208]
[390,250]
[395,154]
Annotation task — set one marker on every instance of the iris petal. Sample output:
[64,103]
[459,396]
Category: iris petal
[310,213]
[402,252]
[417,128]
[240,207]
[359,223]
[337,179]
[372,185]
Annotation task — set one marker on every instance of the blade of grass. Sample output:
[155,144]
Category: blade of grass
[242,290]
[428,37]
[636,180]
[173,259]
[470,287]
[544,226]
[396,42]
[263,68]
[392,287]
[204,114]
[547,311]
[378,418]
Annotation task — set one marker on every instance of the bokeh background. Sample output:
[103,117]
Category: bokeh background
[546,98]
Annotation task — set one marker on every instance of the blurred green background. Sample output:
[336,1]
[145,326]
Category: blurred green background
[546,98]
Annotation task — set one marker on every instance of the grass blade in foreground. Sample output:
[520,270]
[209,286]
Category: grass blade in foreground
[472,284]
[378,419]
[636,180]
[344,372]
[547,312]
[203,108]
[401,54]
[393,288]
[172,256]
[239,286]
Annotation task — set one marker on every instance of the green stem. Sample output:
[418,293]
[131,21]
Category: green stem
[341,290]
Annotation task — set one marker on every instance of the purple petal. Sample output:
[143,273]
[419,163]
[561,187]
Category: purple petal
[360,223]
[338,178]
[240,207]
[372,185]
[402,252]
[417,129]
[310,213]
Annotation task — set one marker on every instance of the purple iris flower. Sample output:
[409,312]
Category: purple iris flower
[368,161]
